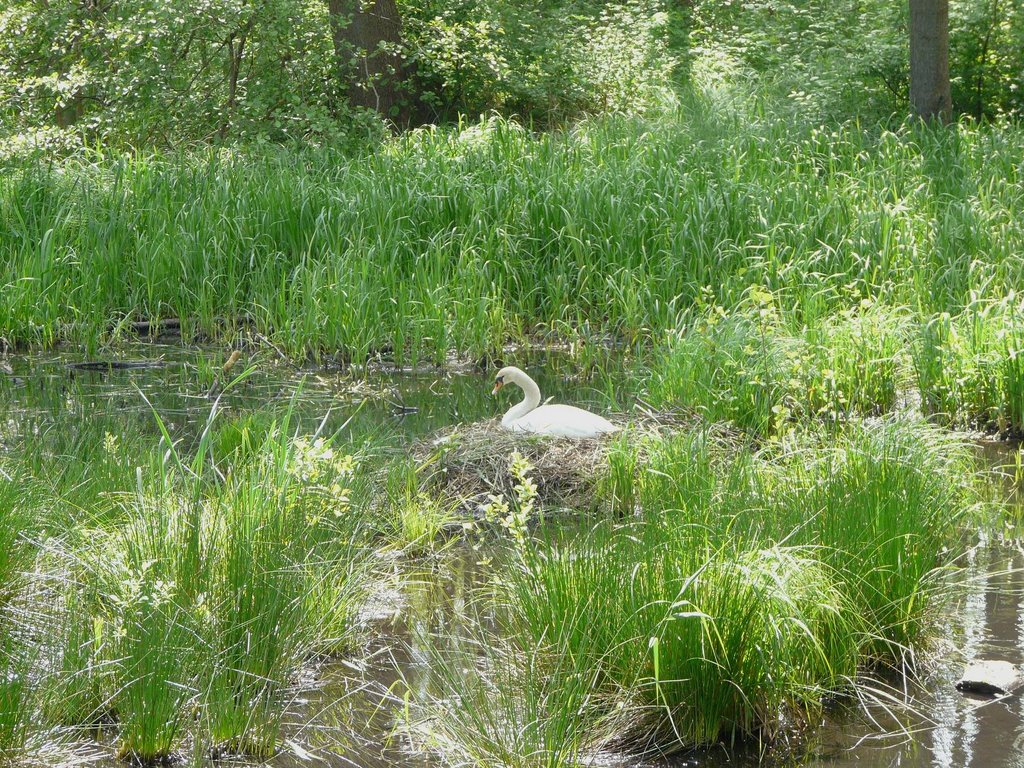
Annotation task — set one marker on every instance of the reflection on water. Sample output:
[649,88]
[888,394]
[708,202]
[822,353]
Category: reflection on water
[949,730]
[344,713]
[44,392]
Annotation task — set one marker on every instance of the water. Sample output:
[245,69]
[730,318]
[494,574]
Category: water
[45,391]
[342,713]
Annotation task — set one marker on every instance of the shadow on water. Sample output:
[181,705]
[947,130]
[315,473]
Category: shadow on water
[343,714]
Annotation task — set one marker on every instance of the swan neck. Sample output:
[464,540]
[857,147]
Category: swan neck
[531,392]
[530,400]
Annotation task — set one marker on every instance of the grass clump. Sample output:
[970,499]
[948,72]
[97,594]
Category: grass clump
[857,363]
[188,615]
[516,707]
[748,367]
[738,594]
[885,507]
[758,369]
[763,637]
[417,518]
[17,693]
[20,509]
[970,369]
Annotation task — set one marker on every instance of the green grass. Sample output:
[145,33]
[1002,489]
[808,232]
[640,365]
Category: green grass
[183,592]
[17,724]
[442,240]
[970,371]
[888,506]
[802,287]
[755,368]
[20,510]
[517,707]
[415,519]
[181,607]
[797,270]
[739,590]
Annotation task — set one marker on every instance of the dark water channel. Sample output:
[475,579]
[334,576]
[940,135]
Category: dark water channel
[343,714]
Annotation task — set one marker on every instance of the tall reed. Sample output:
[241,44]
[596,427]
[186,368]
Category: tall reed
[459,239]
[969,368]
[186,615]
[738,589]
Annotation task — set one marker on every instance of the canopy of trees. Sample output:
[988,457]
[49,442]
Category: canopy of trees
[174,72]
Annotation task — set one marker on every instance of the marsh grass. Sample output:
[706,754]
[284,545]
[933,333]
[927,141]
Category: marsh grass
[154,704]
[462,239]
[969,368]
[17,692]
[738,589]
[750,368]
[20,520]
[417,518]
[887,507]
[779,274]
[84,473]
[78,688]
[185,604]
[516,707]
[20,509]
[255,642]
[858,363]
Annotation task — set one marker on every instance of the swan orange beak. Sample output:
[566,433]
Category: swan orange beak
[497,385]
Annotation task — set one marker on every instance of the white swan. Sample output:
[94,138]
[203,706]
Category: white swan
[564,420]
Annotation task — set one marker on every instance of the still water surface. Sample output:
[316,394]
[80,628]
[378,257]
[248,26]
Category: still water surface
[343,714]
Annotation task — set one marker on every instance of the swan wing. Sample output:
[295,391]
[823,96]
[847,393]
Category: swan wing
[563,420]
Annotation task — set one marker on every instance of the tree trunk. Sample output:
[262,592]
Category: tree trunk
[367,43]
[235,54]
[929,59]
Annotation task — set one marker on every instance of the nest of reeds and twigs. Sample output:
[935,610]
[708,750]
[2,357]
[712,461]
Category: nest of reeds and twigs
[469,463]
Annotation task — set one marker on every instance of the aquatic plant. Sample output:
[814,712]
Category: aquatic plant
[969,368]
[255,629]
[19,517]
[743,587]
[187,612]
[857,362]
[17,703]
[416,517]
[748,368]
[516,707]
[433,243]
[885,505]
[78,686]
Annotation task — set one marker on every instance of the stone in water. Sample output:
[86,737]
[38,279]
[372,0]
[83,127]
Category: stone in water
[992,678]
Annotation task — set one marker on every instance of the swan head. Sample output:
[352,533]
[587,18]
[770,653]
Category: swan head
[508,375]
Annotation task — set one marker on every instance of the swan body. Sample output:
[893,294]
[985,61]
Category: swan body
[530,416]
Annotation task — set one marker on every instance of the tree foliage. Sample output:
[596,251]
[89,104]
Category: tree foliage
[173,72]
[837,58]
[168,71]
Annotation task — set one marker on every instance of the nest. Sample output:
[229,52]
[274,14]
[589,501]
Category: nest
[471,462]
